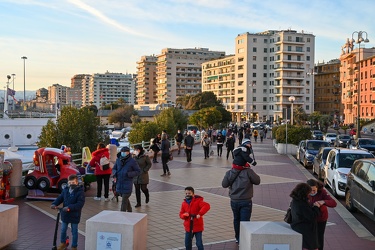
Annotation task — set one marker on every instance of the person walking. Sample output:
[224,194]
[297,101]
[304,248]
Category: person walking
[240,135]
[179,137]
[193,208]
[320,195]
[165,145]
[123,172]
[206,142]
[240,180]
[248,133]
[219,144]
[230,145]
[156,147]
[102,175]
[141,181]
[255,133]
[261,135]
[189,144]
[304,216]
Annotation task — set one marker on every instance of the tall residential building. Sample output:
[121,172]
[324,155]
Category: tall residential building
[179,72]
[269,67]
[57,93]
[327,93]
[354,73]
[75,92]
[146,80]
[107,88]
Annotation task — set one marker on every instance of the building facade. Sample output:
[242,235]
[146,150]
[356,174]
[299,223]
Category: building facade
[146,80]
[269,67]
[327,99]
[179,72]
[57,94]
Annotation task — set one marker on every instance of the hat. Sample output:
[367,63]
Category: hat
[125,149]
[246,141]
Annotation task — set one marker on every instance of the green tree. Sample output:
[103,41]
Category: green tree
[206,117]
[76,128]
[315,117]
[201,100]
[121,115]
[143,131]
[295,134]
[299,116]
[171,119]
[226,116]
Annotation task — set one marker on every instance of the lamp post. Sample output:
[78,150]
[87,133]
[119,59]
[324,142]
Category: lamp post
[359,40]
[291,99]
[13,75]
[24,81]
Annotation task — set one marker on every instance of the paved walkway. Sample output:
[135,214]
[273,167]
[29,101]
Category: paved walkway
[279,175]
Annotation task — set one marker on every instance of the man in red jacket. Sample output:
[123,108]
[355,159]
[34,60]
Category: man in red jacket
[192,210]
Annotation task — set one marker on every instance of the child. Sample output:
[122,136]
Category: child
[73,199]
[192,210]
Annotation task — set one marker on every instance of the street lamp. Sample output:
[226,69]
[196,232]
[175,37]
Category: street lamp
[24,81]
[291,99]
[13,75]
[359,40]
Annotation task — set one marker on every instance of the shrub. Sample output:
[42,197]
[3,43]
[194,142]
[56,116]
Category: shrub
[295,134]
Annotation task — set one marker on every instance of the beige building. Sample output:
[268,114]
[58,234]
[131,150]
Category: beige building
[146,80]
[269,67]
[327,98]
[57,93]
[179,72]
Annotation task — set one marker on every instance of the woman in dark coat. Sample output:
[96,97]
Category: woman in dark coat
[304,216]
[165,145]
[141,181]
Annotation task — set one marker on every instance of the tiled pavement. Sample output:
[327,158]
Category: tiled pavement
[279,174]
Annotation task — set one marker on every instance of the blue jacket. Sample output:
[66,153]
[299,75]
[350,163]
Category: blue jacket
[124,170]
[74,201]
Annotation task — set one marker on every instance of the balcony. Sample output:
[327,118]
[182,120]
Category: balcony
[372,101]
[372,88]
[290,68]
[291,41]
[336,86]
[291,76]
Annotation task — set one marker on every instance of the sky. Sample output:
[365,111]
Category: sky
[61,38]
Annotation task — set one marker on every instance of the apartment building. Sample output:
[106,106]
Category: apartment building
[327,93]
[179,72]
[74,93]
[269,67]
[57,94]
[105,88]
[357,70]
[146,80]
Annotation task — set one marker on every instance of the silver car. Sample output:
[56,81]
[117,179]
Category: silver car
[320,161]
[330,138]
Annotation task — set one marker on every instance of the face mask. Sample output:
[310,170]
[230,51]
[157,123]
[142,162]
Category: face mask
[73,186]
[124,154]
[313,194]
[188,197]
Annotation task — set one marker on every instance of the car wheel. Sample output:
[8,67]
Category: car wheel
[62,184]
[349,201]
[334,191]
[43,184]
[304,162]
[30,182]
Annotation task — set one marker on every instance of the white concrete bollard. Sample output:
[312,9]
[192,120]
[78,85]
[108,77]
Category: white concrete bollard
[116,230]
[17,189]
[8,224]
[268,235]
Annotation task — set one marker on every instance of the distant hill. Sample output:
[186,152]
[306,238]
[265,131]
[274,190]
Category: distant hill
[30,94]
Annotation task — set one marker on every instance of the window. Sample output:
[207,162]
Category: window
[254,49]
[363,170]
[264,107]
[308,39]
[254,58]
[254,91]
[278,48]
[308,49]
[307,107]
[241,50]
[289,48]
[254,40]
[240,83]
[240,91]
[254,99]
[264,92]
[254,66]
[240,59]
[265,50]
[265,59]
[298,58]
[289,57]
[265,67]
[240,41]
[240,99]
[307,58]
[265,83]
[264,99]
[240,67]
[265,41]
[370,174]
[264,74]
[254,74]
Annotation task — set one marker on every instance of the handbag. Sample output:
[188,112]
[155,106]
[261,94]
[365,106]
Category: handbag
[288,215]
[104,163]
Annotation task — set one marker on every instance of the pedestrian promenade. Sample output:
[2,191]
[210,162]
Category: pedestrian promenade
[279,175]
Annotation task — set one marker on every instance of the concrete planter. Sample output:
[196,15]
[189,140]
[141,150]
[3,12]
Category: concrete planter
[283,148]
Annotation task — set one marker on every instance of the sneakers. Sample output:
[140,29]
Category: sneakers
[62,246]
[97,198]
[169,173]
[106,199]
[138,205]
[147,199]
[163,175]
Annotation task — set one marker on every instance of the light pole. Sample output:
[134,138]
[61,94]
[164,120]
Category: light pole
[24,81]
[291,99]
[13,75]
[359,40]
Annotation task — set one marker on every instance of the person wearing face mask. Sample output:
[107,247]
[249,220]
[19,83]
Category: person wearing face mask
[141,181]
[123,172]
[73,199]
[179,137]
[320,195]
[192,210]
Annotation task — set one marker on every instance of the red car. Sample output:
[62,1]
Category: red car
[52,169]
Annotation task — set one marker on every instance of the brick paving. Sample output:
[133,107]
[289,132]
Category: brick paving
[279,174]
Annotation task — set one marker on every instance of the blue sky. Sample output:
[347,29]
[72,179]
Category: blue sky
[66,37]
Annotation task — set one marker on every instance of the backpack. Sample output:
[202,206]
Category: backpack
[104,162]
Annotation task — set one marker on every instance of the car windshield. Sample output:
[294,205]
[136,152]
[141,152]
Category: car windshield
[315,145]
[346,159]
[344,137]
[318,132]
[367,142]
[331,135]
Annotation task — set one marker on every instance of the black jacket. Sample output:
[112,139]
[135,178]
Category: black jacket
[242,155]
[230,143]
[189,141]
[178,137]
[74,201]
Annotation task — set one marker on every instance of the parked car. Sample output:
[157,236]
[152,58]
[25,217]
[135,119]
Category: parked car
[353,132]
[338,164]
[342,141]
[317,135]
[363,143]
[307,149]
[360,188]
[330,138]
[320,161]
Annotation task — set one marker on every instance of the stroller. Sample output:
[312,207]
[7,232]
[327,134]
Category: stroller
[115,194]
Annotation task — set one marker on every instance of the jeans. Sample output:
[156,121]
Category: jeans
[125,204]
[179,147]
[164,160]
[64,228]
[206,151]
[231,152]
[241,212]
[99,181]
[188,154]
[219,149]
[189,240]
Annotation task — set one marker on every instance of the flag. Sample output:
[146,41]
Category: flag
[11,92]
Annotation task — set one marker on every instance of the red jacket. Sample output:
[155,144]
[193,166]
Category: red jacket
[95,160]
[322,195]
[196,206]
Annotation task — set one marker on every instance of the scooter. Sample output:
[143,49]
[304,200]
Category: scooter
[54,247]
